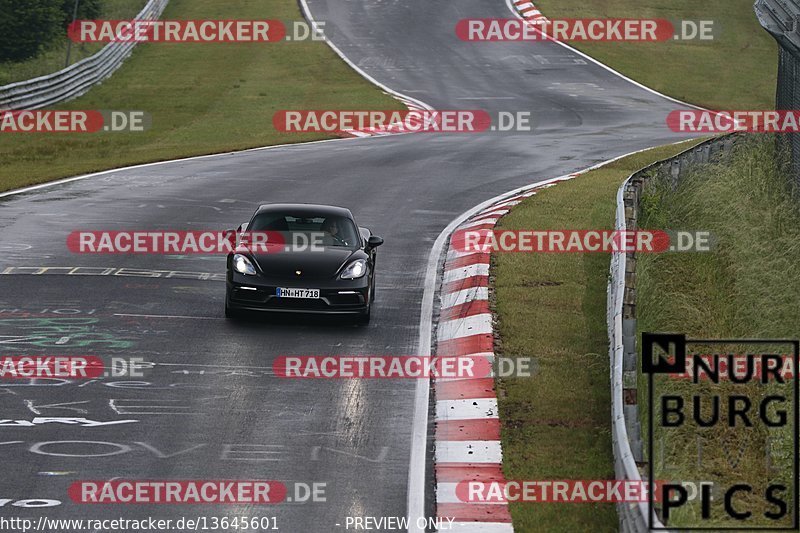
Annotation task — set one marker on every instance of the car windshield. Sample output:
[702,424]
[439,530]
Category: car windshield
[302,230]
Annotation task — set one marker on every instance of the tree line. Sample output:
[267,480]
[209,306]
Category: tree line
[29,26]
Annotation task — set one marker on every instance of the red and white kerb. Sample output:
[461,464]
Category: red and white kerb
[528,10]
[467,432]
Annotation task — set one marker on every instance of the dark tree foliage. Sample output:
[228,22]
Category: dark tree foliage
[26,26]
[87,10]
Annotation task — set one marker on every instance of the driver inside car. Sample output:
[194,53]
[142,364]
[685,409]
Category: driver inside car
[332,233]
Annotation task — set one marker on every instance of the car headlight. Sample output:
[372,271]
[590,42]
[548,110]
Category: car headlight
[242,265]
[354,270]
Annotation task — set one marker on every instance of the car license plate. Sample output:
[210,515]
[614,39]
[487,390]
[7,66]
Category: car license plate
[297,293]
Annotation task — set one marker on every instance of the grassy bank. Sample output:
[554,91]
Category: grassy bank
[707,73]
[746,288]
[203,98]
[551,307]
[742,288]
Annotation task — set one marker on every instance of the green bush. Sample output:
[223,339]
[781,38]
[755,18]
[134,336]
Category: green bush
[28,27]
[87,9]
[25,27]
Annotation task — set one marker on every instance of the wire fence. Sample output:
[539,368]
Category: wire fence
[781,18]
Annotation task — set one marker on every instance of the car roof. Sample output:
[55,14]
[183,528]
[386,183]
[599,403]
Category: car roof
[305,209]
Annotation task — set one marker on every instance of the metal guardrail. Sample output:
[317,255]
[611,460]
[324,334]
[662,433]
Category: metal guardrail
[76,79]
[633,517]
[781,18]
[629,460]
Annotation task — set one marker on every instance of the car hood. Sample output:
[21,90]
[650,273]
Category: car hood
[312,265]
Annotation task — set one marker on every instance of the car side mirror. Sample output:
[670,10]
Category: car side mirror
[374,241]
[238,234]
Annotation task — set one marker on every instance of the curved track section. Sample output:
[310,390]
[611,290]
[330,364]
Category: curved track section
[210,406]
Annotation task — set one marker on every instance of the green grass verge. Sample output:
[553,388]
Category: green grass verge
[707,73]
[203,98]
[742,288]
[745,288]
[52,58]
[557,424]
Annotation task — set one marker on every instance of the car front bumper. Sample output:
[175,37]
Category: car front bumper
[255,293]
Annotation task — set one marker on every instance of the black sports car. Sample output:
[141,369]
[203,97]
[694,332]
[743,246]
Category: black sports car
[318,261]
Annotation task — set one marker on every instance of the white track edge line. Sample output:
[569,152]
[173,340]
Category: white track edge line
[307,14]
[516,13]
[416,477]
[419,430]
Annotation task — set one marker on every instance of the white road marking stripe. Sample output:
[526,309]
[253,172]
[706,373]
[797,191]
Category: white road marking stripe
[171,316]
[510,203]
[478,223]
[469,271]
[486,356]
[484,452]
[416,475]
[446,493]
[472,409]
[464,296]
[616,73]
[455,254]
[496,213]
[480,260]
[481,527]
[399,96]
[464,327]
[479,451]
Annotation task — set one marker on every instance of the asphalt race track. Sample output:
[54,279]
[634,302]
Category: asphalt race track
[210,406]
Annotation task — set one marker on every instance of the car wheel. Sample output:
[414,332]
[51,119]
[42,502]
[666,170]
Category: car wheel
[363,318]
[230,313]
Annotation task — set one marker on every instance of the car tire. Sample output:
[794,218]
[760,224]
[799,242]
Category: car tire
[364,317]
[230,313]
